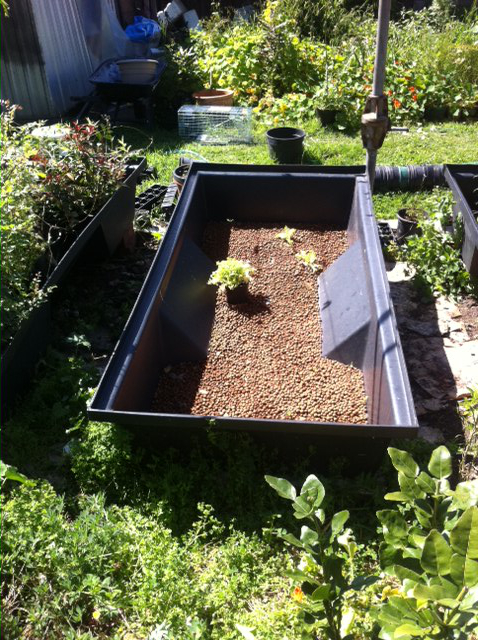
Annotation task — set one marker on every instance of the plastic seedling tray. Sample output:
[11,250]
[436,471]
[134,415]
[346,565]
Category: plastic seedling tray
[463,181]
[151,197]
[172,319]
[100,237]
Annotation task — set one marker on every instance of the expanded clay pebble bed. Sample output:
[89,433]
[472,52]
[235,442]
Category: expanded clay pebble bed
[265,356]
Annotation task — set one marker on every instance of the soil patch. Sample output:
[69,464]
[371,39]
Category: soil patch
[264,358]
[469,316]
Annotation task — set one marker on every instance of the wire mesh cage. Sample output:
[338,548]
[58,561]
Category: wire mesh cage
[215,125]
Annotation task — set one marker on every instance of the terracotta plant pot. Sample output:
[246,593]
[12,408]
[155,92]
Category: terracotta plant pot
[217,97]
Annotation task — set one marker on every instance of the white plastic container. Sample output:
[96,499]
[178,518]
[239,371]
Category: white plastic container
[137,70]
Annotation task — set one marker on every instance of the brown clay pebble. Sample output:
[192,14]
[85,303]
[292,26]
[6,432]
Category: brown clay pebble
[264,358]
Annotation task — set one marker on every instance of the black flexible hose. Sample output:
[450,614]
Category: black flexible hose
[409,178]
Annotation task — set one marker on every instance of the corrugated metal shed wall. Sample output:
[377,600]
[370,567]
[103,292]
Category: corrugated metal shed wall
[23,79]
[65,53]
[49,49]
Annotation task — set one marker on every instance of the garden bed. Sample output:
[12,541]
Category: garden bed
[264,358]
[101,236]
[173,319]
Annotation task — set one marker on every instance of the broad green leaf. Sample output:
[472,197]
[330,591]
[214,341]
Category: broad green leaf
[8,472]
[321,593]
[440,464]
[338,521]
[308,536]
[313,489]
[389,556]
[411,552]
[396,496]
[457,568]
[466,494]
[282,486]
[302,508]
[417,536]
[333,570]
[320,515]
[471,599]
[423,519]
[409,486]
[362,582]
[300,576]
[471,572]
[436,554]
[451,589]
[426,593]
[403,461]
[409,629]
[464,536]
[394,526]
[424,506]
[404,573]
[426,482]
[290,538]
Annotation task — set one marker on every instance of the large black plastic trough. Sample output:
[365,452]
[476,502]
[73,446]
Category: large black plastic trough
[463,181]
[172,319]
[100,237]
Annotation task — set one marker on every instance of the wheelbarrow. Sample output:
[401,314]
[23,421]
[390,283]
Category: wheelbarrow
[112,92]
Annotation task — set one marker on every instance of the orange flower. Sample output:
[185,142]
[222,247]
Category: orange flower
[414,97]
[412,89]
[396,103]
[298,594]
[389,92]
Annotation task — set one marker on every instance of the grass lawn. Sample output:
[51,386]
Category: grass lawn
[116,541]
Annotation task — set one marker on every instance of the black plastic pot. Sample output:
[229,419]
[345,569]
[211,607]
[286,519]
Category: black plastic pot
[286,145]
[101,237]
[408,222]
[463,181]
[436,114]
[180,174]
[174,314]
[327,116]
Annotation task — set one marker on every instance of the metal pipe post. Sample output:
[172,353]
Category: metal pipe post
[379,74]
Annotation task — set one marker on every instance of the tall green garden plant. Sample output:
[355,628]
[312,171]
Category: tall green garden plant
[325,572]
[431,548]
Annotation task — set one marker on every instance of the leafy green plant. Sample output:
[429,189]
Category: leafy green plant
[435,255]
[468,409]
[431,547]
[326,568]
[287,235]
[309,260]
[50,187]
[231,273]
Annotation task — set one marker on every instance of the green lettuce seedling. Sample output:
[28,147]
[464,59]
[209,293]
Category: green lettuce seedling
[287,235]
[231,273]
[309,259]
